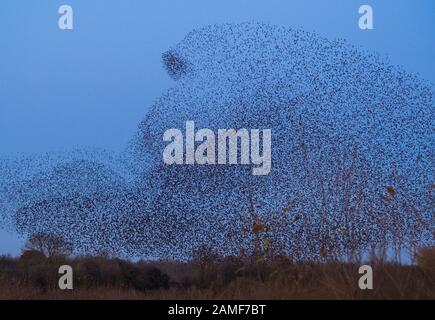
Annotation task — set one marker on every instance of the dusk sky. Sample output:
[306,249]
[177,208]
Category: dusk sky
[91,86]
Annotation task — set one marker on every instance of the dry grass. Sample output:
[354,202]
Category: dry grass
[304,281]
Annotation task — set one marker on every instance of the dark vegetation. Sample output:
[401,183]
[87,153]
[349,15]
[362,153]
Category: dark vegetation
[206,275]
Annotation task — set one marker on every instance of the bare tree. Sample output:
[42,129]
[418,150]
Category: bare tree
[49,245]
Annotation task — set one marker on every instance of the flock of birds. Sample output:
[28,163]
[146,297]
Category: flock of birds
[351,157]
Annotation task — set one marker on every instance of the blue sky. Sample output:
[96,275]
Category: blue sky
[91,86]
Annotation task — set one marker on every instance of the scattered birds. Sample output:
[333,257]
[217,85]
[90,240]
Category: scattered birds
[347,129]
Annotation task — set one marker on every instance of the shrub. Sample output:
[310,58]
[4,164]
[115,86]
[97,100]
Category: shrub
[426,259]
[152,278]
[31,258]
[7,262]
[36,269]
[143,277]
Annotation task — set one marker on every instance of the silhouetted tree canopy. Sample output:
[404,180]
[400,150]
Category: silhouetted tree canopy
[48,244]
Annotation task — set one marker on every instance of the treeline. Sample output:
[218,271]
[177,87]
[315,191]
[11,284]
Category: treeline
[35,270]
[206,275]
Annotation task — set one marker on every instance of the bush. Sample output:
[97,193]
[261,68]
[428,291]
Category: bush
[426,260]
[151,278]
[35,269]
[31,257]
[7,263]
[143,277]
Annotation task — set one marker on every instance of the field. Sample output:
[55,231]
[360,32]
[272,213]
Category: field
[33,276]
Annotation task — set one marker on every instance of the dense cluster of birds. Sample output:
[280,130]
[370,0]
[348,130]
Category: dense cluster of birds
[351,157]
